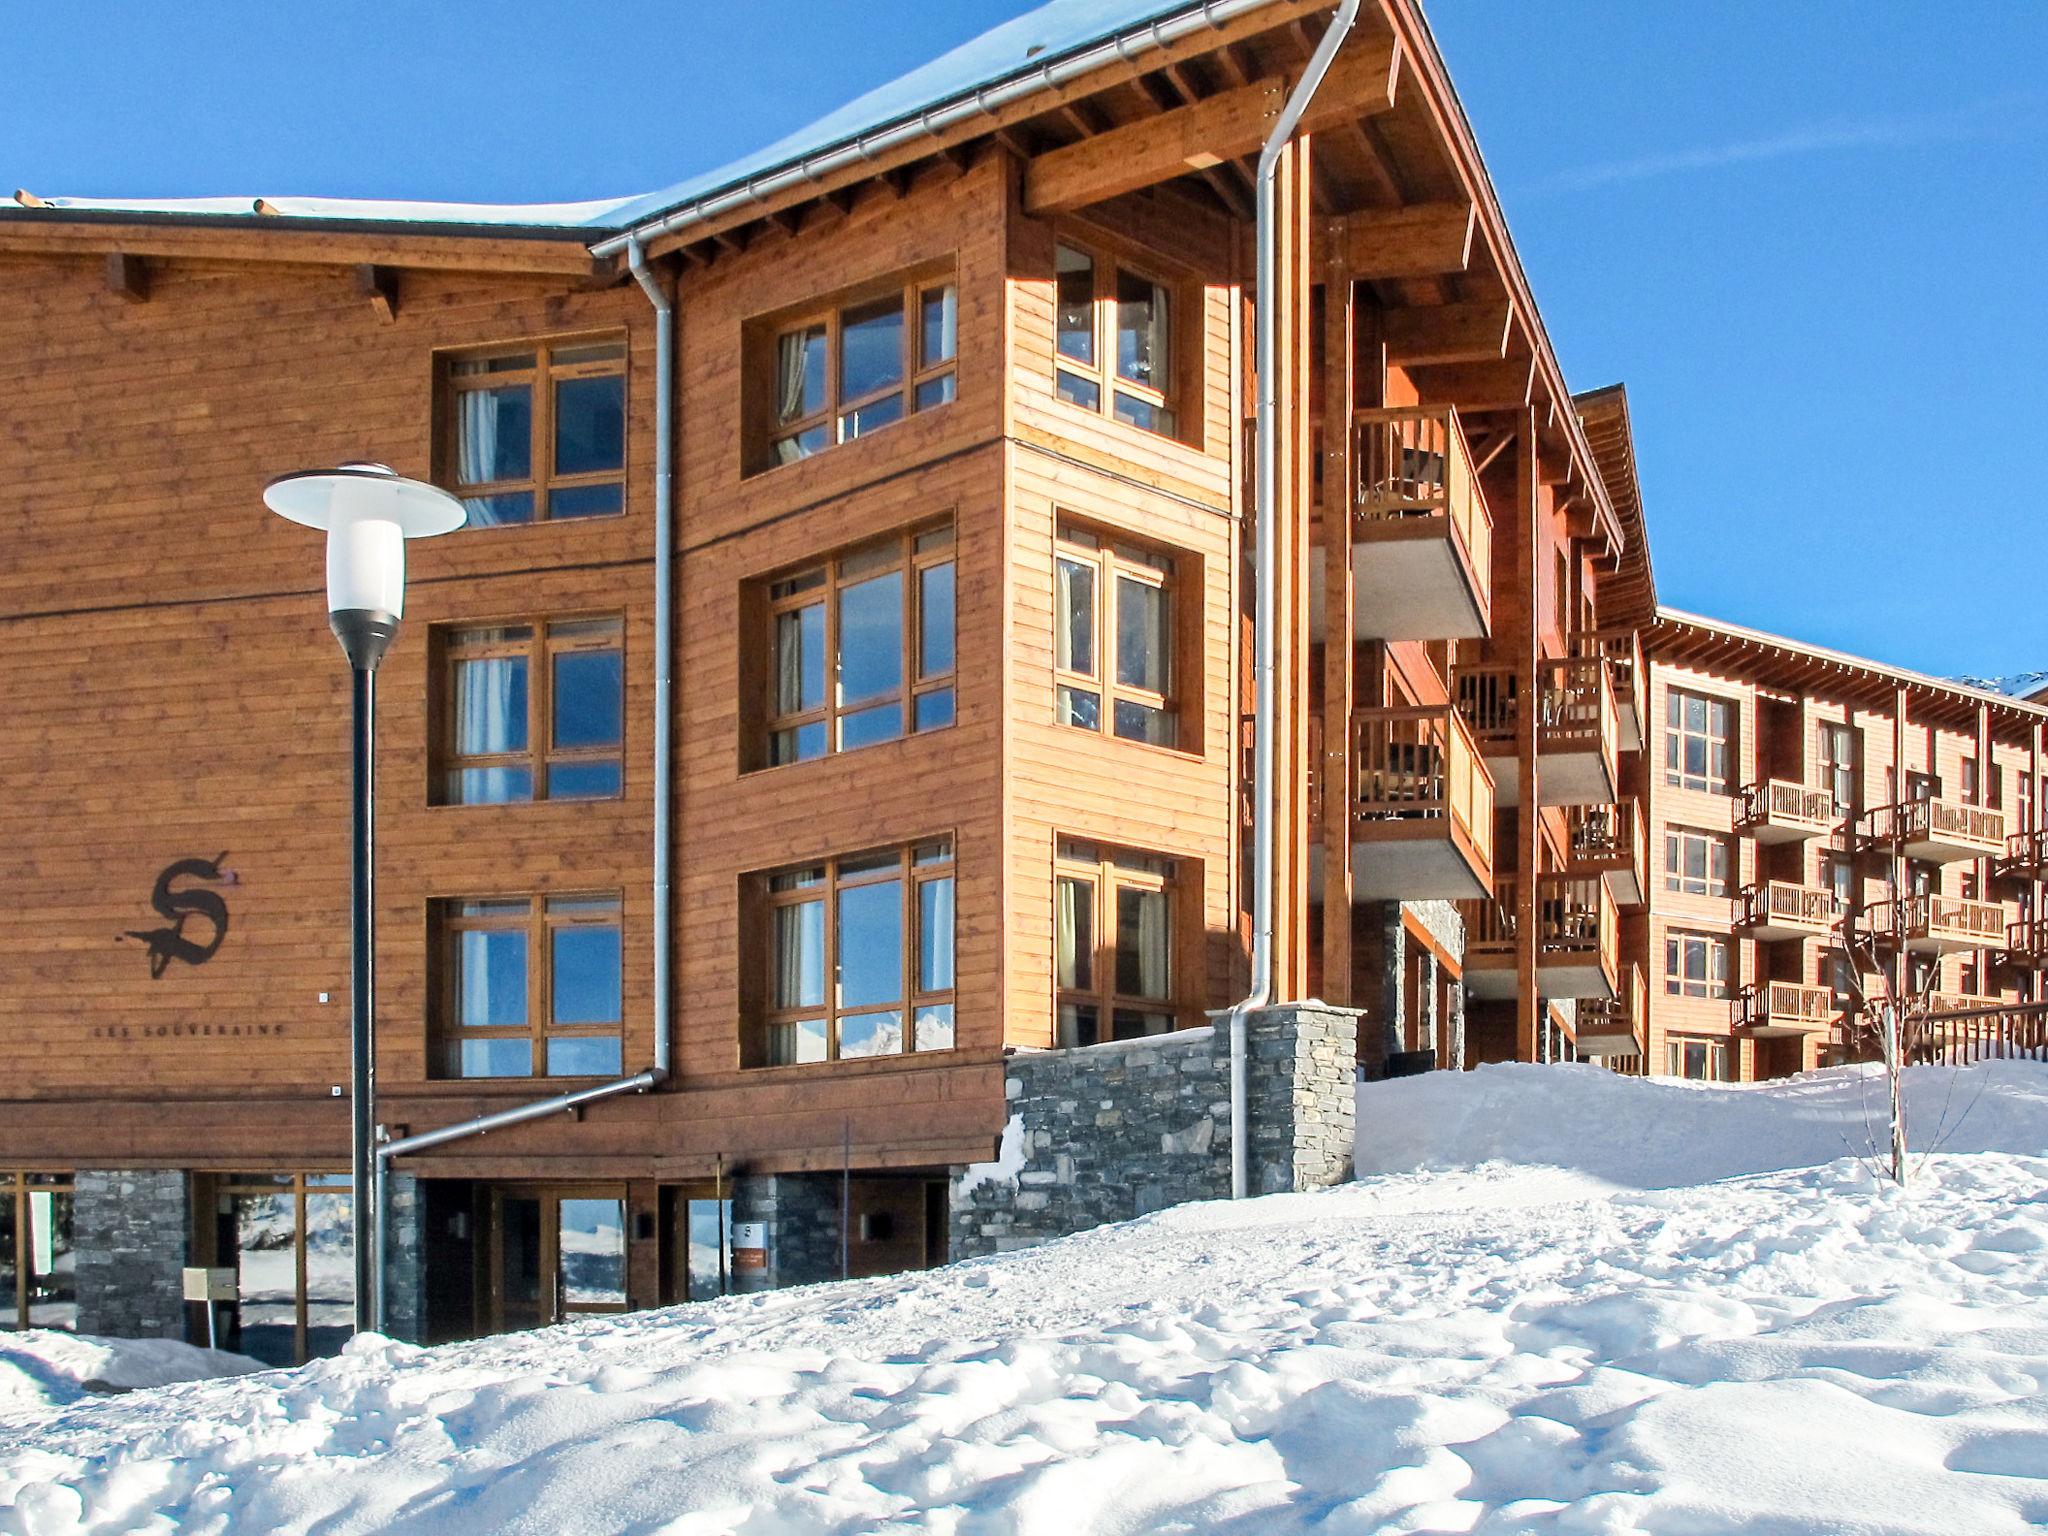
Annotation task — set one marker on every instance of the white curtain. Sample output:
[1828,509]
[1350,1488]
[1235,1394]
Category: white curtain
[1075,940]
[478,436]
[487,717]
[1152,944]
[789,374]
[800,955]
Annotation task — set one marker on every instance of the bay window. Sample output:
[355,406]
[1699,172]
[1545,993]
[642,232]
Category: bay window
[1113,339]
[533,711]
[537,431]
[850,367]
[531,987]
[1113,925]
[860,957]
[1114,637]
[860,647]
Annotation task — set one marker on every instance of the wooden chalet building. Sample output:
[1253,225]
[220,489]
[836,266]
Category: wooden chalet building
[954,700]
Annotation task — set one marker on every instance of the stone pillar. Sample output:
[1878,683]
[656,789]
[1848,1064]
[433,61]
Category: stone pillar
[1302,1095]
[405,1300]
[1393,975]
[1457,1031]
[129,1229]
[801,1212]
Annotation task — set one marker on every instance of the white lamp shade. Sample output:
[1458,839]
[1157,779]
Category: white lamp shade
[365,566]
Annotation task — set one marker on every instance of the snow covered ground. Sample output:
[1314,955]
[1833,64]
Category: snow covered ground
[44,1369]
[1558,1301]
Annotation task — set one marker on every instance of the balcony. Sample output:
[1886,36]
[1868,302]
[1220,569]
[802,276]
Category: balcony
[1622,649]
[1776,909]
[1771,1008]
[2026,855]
[1577,939]
[1422,807]
[1421,535]
[1611,842]
[1615,1026]
[1941,831]
[1576,728]
[1775,811]
[2026,944]
[1940,924]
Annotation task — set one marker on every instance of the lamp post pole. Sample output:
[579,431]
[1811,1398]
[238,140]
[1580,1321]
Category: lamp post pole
[367,1181]
[368,512]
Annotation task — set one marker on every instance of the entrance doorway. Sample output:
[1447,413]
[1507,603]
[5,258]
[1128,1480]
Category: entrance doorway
[556,1252]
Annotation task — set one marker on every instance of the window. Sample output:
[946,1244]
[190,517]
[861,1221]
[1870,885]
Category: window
[1842,979]
[1113,638]
[1113,339]
[858,947]
[38,1270]
[1697,863]
[861,647]
[290,1238]
[1705,1061]
[1696,741]
[1695,965]
[534,711]
[1838,875]
[531,987]
[1113,924]
[847,369]
[1838,756]
[537,431]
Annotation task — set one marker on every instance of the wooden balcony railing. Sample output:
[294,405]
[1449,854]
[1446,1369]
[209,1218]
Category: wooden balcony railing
[2026,943]
[1575,705]
[1776,804]
[1490,921]
[1489,702]
[1420,763]
[1969,831]
[1624,1013]
[1414,462]
[2026,853]
[1942,920]
[1575,915]
[1780,904]
[1606,838]
[1784,1005]
[1952,1041]
[1622,650]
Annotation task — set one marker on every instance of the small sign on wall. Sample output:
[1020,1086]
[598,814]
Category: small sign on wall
[749,1245]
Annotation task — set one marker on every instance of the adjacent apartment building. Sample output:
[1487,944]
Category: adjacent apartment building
[882,508]
[1830,834]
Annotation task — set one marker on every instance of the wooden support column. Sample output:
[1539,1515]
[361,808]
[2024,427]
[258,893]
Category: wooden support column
[1294,209]
[1983,867]
[1900,875]
[1528,820]
[1339,772]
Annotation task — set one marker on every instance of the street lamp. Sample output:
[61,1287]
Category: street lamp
[368,512]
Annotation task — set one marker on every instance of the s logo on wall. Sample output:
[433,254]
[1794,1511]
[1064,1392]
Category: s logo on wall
[179,905]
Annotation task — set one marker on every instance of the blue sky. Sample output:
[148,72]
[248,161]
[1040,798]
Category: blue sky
[1808,236]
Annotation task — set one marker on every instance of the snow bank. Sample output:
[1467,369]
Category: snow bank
[1800,1350]
[43,1369]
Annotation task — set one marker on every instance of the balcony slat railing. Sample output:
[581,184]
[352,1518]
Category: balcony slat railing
[2026,942]
[1777,802]
[1774,903]
[2028,850]
[1419,762]
[1625,1012]
[1489,702]
[1981,827]
[1767,1004]
[1603,835]
[1575,914]
[1575,705]
[1490,920]
[1415,462]
[1622,649]
[1953,919]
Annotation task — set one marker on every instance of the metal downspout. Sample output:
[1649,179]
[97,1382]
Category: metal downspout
[664,735]
[1267,493]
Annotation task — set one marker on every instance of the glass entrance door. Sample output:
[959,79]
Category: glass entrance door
[555,1253]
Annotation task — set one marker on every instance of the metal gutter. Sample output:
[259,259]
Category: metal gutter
[981,102]
[1267,492]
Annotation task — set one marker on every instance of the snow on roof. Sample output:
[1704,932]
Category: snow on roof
[1026,42]
[2020,685]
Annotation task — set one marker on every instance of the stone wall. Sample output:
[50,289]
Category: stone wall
[1108,1132]
[801,1213]
[405,1297]
[128,1233]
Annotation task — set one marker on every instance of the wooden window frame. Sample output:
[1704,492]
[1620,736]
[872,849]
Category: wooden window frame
[1677,777]
[770,431]
[1109,262]
[541,377]
[914,876]
[1715,1049]
[784,596]
[1105,868]
[1676,839]
[538,923]
[453,644]
[249,1181]
[1110,561]
[16,1186]
[1678,984]
[1833,733]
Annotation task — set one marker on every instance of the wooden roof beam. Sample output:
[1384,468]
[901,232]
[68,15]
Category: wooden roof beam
[1421,240]
[127,277]
[1204,133]
[280,241]
[379,285]
[1501,386]
[1448,333]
